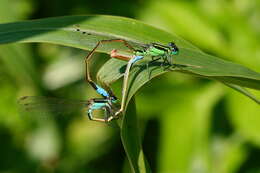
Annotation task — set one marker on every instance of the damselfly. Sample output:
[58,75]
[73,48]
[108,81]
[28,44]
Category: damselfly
[153,51]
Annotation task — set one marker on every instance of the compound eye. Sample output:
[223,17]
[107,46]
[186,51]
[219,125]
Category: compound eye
[171,44]
[175,49]
[113,98]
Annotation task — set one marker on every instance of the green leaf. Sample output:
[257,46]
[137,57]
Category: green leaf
[63,30]
[131,141]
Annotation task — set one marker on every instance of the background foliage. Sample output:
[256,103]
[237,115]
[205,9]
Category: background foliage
[188,124]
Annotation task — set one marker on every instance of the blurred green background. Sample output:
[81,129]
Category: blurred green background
[188,124]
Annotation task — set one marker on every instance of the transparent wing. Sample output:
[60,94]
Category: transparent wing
[42,105]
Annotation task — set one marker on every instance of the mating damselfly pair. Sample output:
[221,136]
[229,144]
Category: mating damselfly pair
[151,52]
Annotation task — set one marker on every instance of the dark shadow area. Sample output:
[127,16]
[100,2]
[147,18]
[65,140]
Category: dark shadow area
[151,143]
[61,8]
[220,122]
[251,165]
[111,161]
[13,157]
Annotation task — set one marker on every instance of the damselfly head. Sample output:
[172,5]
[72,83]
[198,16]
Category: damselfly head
[174,48]
[113,99]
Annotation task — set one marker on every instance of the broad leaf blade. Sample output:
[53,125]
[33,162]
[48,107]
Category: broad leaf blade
[64,31]
[131,141]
